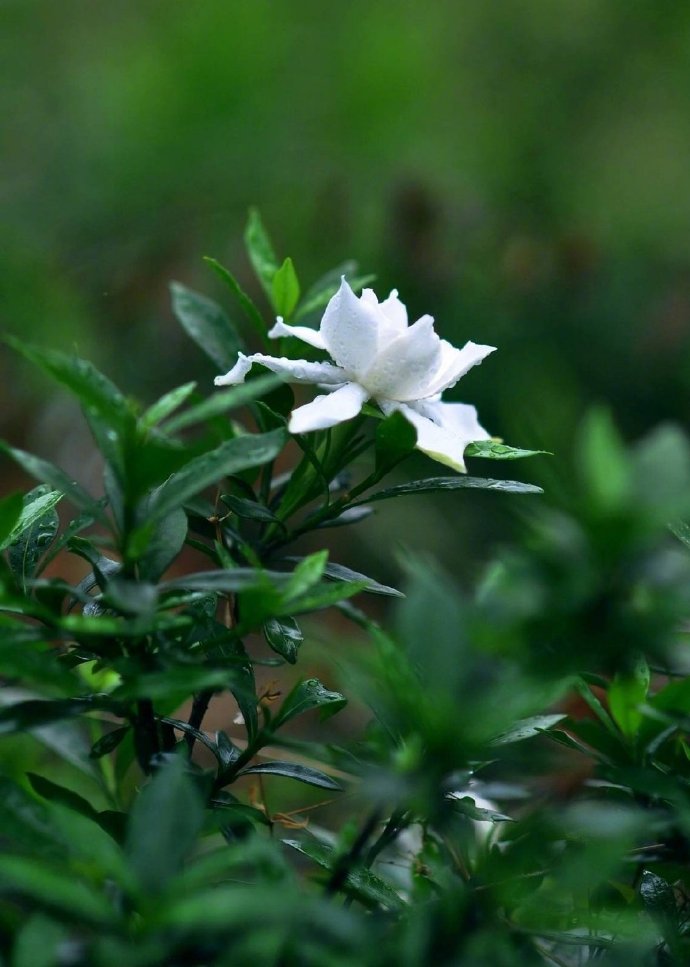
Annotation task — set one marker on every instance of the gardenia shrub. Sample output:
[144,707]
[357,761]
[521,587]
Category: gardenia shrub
[512,784]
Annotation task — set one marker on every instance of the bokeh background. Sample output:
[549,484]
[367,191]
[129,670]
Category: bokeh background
[519,170]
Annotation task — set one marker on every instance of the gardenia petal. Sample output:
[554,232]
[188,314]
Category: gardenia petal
[304,333]
[391,309]
[336,407]
[349,329]
[296,370]
[443,429]
[454,364]
[401,370]
[459,419]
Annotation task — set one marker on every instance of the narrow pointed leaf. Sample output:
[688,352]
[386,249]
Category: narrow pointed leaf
[163,407]
[308,695]
[260,251]
[207,324]
[436,484]
[223,401]
[492,450]
[284,636]
[46,472]
[291,770]
[285,289]
[229,458]
[248,306]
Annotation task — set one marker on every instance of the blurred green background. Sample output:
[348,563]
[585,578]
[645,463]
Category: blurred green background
[518,170]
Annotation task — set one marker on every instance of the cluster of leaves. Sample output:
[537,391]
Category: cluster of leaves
[520,791]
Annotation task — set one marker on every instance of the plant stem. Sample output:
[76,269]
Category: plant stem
[199,708]
[146,740]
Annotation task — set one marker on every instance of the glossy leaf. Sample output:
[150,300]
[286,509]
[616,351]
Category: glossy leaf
[230,457]
[292,770]
[248,509]
[223,401]
[337,572]
[360,882]
[527,728]
[96,393]
[34,532]
[284,636]
[260,251]
[493,450]
[46,472]
[437,484]
[466,806]
[248,306]
[109,742]
[164,406]
[207,325]
[308,695]
[285,289]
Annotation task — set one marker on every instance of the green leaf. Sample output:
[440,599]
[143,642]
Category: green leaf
[99,626]
[353,515]
[175,684]
[96,393]
[466,806]
[108,742]
[50,888]
[285,289]
[367,887]
[436,484]
[249,509]
[222,401]
[604,461]
[35,531]
[323,290]
[284,637]
[659,900]
[308,695]
[207,325]
[248,306]
[682,531]
[337,572]
[396,438]
[227,752]
[323,597]
[260,251]
[307,573]
[164,824]
[493,450]
[39,941]
[291,770]
[163,407]
[165,542]
[35,713]
[527,728]
[230,580]
[626,693]
[36,505]
[230,457]
[46,472]
[131,597]
[55,793]
[10,510]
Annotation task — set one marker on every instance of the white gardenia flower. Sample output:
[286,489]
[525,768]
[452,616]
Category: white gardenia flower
[378,356]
